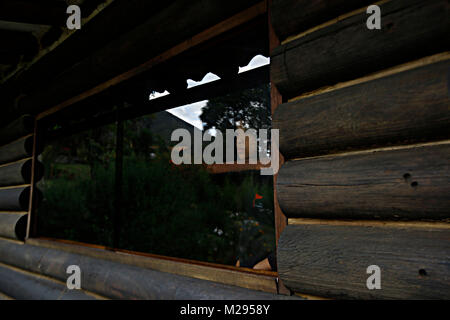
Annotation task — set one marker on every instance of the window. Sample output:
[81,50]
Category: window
[144,202]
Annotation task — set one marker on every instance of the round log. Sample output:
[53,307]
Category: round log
[332,261]
[17,150]
[19,173]
[13,225]
[410,183]
[17,199]
[407,106]
[27,286]
[120,281]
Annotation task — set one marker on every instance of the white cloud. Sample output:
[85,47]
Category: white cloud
[209,77]
[190,113]
[256,62]
[158,94]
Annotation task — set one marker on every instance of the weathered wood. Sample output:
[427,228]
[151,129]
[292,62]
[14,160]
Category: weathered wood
[373,223]
[19,173]
[16,150]
[5,297]
[275,101]
[229,275]
[27,286]
[92,36]
[332,261]
[16,129]
[411,183]
[16,199]
[13,225]
[347,49]
[242,81]
[120,281]
[33,201]
[130,54]
[290,17]
[407,107]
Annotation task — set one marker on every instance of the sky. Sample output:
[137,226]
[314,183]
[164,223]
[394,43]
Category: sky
[191,112]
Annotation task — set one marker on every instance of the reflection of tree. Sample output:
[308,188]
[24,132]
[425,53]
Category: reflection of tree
[179,211]
[249,108]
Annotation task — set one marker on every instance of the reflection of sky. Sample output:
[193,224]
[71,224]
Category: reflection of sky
[191,112]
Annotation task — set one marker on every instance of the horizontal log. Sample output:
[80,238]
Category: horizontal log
[112,63]
[347,49]
[230,275]
[290,17]
[120,281]
[409,106]
[13,225]
[332,261]
[19,173]
[92,36]
[5,297]
[17,199]
[16,129]
[16,150]
[27,286]
[410,183]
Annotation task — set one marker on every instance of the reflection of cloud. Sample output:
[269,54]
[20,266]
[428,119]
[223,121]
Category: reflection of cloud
[158,94]
[256,62]
[190,113]
[209,77]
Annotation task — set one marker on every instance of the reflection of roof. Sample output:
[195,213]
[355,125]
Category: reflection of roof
[164,123]
[156,45]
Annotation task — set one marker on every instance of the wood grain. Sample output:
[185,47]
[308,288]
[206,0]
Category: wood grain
[130,54]
[410,183]
[19,173]
[331,261]
[17,150]
[406,107]
[118,280]
[15,198]
[347,49]
[275,101]
[290,17]
[241,277]
[13,225]
[23,285]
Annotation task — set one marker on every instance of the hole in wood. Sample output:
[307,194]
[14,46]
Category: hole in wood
[414,184]
[406,176]
[422,272]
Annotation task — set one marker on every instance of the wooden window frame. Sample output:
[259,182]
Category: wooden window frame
[266,281]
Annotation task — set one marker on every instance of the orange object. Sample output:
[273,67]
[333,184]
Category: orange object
[257,196]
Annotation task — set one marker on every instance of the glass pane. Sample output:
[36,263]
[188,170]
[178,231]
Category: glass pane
[78,187]
[214,213]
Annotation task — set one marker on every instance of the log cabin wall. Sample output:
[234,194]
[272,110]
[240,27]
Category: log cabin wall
[16,174]
[111,59]
[36,268]
[364,129]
